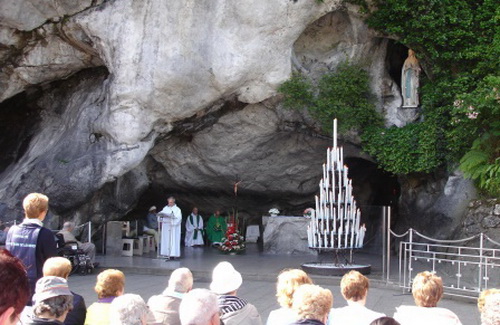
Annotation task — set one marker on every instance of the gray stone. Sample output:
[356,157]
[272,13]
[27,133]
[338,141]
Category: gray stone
[491,221]
[29,14]
[114,238]
[286,235]
[496,211]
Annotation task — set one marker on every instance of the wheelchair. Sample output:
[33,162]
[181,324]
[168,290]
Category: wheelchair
[80,262]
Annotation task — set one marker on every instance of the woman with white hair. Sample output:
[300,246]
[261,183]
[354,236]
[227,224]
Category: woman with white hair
[129,309]
[199,307]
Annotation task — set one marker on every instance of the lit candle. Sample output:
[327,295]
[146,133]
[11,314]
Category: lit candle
[334,220]
[328,160]
[324,172]
[339,236]
[327,219]
[347,225]
[352,233]
[335,133]
[309,235]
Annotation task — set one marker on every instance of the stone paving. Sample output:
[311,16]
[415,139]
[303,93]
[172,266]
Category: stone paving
[146,275]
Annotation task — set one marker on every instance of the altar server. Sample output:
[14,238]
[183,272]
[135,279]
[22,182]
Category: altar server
[194,229]
[171,229]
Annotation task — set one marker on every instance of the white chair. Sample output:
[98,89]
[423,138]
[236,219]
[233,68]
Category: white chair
[138,246]
[145,244]
[127,247]
[252,234]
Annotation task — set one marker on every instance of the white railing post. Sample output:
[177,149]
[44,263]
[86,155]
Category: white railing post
[384,243]
[388,252]
[410,266]
[90,231]
[481,261]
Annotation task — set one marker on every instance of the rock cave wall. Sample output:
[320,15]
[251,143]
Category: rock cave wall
[109,106]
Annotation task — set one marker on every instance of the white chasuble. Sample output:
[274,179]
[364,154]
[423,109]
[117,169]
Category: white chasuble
[170,218]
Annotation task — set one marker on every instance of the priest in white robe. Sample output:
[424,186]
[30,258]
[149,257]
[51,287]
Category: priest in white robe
[194,229]
[170,218]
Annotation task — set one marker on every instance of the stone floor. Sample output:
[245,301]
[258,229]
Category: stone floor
[147,275]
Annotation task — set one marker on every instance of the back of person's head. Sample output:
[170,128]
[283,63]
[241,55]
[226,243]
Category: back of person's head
[483,295]
[15,290]
[181,280]
[312,302]
[354,286]
[199,307]
[110,283]
[68,225]
[385,321]
[490,314]
[52,296]
[225,279]
[288,282]
[129,309]
[427,289]
[34,204]
[57,266]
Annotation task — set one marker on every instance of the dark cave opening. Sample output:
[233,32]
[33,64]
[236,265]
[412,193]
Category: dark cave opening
[395,58]
[19,119]
[373,189]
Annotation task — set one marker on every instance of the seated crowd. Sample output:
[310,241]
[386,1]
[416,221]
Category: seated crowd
[301,301]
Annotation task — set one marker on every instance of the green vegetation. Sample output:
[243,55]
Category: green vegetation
[343,93]
[458,45]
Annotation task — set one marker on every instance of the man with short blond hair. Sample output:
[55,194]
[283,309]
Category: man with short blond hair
[354,287]
[165,307]
[32,243]
[427,290]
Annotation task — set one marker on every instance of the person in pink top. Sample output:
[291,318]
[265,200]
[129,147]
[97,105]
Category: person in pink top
[427,290]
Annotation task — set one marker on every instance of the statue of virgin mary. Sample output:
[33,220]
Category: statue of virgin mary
[409,81]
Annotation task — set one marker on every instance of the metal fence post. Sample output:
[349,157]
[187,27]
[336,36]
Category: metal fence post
[90,232]
[481,261]
[410,267]
[384,242]
[388,245]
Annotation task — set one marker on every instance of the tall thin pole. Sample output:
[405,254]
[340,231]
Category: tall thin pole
[388,248]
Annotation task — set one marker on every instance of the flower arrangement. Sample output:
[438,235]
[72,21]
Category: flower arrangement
[274,212]
[233,242]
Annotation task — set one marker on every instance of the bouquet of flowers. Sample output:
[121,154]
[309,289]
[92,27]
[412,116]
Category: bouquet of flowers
[233,242]
[274,212]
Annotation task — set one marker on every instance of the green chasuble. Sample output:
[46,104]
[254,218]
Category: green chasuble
[216,228]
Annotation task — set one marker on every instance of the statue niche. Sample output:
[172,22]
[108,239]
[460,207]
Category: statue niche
[410,81]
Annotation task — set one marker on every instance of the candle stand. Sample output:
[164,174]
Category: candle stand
[335,227]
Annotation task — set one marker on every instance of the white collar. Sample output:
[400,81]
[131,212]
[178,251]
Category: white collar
[35,221]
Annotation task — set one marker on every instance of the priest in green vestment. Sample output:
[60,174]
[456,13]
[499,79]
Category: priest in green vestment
[216,228]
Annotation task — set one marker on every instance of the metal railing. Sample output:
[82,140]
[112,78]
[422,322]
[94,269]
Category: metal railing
[467,266]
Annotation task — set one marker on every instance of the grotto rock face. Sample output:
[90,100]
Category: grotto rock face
[108,106]
[166,61]
[435,205]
